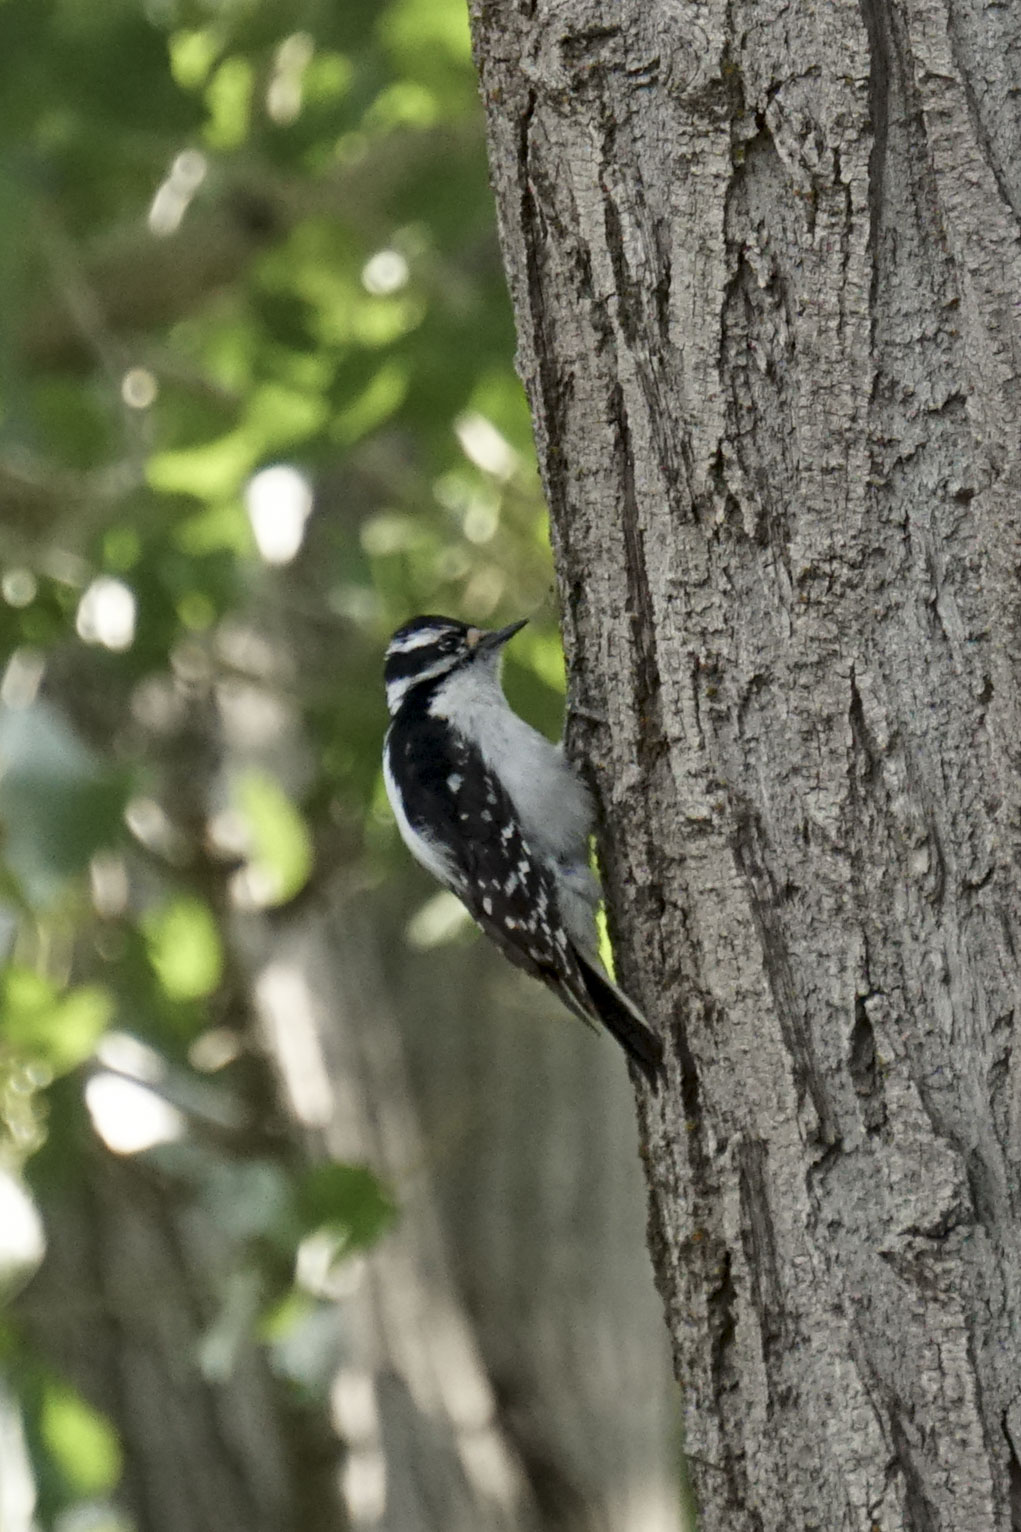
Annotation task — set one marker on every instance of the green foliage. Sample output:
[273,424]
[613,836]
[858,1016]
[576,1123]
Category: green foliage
[280,845]
[238,235]
[58,802]
[184,948]
[81,1442]
[37,1020]
[347,1200]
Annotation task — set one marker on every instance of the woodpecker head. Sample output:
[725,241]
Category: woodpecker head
[426,649]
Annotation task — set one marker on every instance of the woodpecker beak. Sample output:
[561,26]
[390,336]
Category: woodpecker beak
[481,641]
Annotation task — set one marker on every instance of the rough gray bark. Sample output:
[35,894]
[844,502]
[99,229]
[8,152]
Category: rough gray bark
[765,262]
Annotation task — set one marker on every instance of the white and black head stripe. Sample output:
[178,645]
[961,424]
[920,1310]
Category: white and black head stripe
[406,641]
[401,678]
[422,631]
[427,648]
[423,650]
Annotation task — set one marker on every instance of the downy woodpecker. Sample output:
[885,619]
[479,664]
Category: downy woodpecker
[495,811]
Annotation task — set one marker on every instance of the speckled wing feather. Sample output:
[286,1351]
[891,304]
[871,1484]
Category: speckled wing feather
[471,823]
[472,831]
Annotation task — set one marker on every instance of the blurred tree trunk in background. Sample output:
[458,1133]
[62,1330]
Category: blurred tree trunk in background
[129,1293]
[765,262]
[541,1186]
[508,1328]
[544,1400]
[410,1399]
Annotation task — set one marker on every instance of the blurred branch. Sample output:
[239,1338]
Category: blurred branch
[33,495]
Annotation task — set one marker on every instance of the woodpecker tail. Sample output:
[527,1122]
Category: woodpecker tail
[623,1020]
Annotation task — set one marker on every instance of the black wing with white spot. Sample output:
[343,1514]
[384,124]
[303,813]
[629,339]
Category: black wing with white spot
[464,818]
[449,795]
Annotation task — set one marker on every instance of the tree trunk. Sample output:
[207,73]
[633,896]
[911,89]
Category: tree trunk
[134,1273]
[765,262]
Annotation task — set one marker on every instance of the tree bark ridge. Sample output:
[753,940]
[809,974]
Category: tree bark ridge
[765,262]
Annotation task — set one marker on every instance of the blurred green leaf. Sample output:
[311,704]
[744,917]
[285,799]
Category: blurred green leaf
[184,948]
[374,405]
[222,526]
[192,55]
[229,98]
[81,1440]
[350,1200]
[58,803]
[281,847]
[277,416]
[40,1021]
